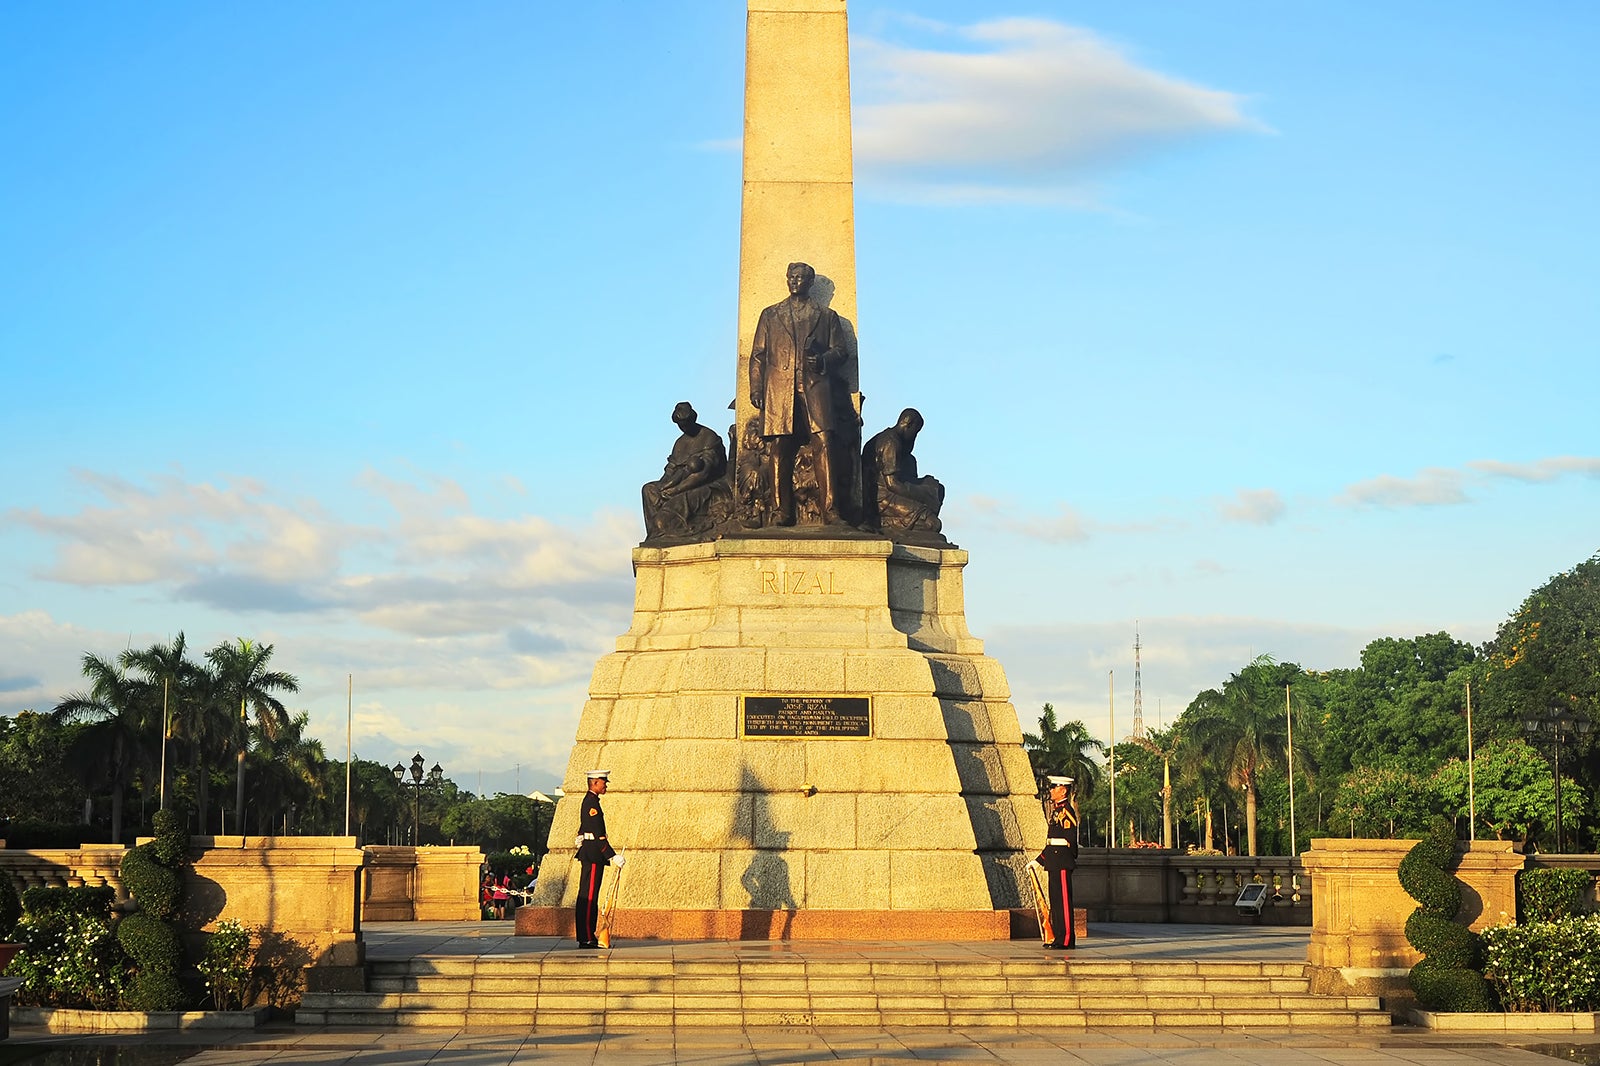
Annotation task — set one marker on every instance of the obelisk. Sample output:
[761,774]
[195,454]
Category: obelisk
[799,191]
[803,738]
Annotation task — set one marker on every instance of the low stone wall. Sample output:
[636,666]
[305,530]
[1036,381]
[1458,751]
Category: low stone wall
[1155,885]
[428,884]
[91,865]
[304,890]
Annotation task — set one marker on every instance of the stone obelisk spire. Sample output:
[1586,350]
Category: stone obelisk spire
[799,193]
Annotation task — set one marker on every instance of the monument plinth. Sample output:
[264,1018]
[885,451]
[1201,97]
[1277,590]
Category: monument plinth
[803,738]
[921,826]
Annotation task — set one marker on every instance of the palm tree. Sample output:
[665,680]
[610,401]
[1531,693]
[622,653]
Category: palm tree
[119,713]
[167,669]
[1168,744]
[292,768]
[1240,730]
[244,680]
[1064,749]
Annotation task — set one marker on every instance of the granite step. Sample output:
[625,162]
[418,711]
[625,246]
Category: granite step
[595,992]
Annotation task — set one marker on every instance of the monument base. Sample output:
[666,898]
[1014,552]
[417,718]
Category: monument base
[781,925]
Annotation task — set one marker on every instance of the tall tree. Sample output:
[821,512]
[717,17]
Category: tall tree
[171,677]
[246,682]
[1240,728]
[1066,749]
[119,717]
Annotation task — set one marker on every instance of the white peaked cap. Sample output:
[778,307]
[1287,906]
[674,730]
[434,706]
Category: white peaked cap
[1059,781]
[604,775]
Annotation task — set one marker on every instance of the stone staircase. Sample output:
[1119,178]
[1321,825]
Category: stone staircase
[573,991]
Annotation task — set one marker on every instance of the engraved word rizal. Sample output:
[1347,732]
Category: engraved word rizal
[799,583]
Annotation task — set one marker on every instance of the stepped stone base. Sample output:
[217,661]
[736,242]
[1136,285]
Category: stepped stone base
[781,925]
[934,812]
[881,988]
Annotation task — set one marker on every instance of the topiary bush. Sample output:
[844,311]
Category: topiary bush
[10,907]
[153,876]
[70,956]
[1447,977]
[1548,893]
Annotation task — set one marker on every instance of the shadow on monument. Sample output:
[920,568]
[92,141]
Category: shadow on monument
[766,878]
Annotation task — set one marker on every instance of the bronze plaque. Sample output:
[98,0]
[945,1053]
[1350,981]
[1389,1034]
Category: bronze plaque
[806,716]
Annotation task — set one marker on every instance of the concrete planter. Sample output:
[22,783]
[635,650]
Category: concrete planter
[1506,1022]
[132,1021]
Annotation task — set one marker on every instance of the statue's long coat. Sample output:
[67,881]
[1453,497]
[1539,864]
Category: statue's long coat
[779,370]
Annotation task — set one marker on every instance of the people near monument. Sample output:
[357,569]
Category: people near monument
[897,499]
[692,496]
[796,358]
[500,894]
[486,894]
[1059,856]
[594,852]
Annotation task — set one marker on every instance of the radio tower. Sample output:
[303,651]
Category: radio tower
[1138,696]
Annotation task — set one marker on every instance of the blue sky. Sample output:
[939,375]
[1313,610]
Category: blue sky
[354,328]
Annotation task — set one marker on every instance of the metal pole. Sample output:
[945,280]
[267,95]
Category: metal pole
[1294,841]
[1111,681]
[1555,726]
[349,751]
[1472,796]
[165,683]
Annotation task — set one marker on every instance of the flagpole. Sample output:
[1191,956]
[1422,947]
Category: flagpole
[1294,841]
[165,729]
[1472,799]
[1111,689]
[349,715]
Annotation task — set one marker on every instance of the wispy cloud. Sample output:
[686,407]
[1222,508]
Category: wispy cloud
[1065,526]
[1019,109]
[1443,486]
[1256,507]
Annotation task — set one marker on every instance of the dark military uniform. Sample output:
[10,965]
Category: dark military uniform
[1058,858]
[594,851]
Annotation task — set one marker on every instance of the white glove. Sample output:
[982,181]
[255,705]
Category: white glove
[577,841]
[617,861]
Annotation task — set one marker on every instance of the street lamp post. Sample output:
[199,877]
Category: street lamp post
[1561,724]
[414,778]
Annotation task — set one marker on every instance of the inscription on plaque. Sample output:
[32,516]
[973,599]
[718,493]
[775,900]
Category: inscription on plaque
[799,583]
[806,716]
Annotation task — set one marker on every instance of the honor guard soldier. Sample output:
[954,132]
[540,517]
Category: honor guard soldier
[1059,856]
[594,851]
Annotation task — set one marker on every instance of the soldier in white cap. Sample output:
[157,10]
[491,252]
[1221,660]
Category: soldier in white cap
[594,851]
[1059,856]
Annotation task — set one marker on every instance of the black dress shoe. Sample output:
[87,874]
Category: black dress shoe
[1055,947]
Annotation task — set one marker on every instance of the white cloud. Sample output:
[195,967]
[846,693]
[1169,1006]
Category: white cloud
[1029,110]
[1433,487]
[1540,470]
[1257,507]
[1436,486]
[1065,526]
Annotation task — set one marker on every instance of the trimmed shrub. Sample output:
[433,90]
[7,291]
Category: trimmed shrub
[171,839]
[158,888]
[229,962]
[10,907]
[1548,893]
[1446,978]
[68,959]
[94,902]
[152,944]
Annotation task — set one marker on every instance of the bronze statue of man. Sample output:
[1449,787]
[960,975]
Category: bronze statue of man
[794,374]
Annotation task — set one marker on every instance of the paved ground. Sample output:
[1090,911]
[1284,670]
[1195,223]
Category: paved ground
[283,1043]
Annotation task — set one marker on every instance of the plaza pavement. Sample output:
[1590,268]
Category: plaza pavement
[282,1042]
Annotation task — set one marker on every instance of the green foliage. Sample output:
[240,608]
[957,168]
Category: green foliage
[152,944]
[10,906]
[1445,978]
[154,990]
[1064,748]
[1402,708]
[1549,966]
[34,792]
[229,959]
[499,823]
[1385,802]
[156,887]
[28,834]
[171,839]
[1549,893]
[1547,654]
[1514,788]
[69,958]
[94,902]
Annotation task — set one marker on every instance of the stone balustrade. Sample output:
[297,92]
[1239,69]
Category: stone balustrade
[91,865]
[1155,885]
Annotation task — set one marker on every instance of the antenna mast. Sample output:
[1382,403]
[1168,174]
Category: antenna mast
[1138,694]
